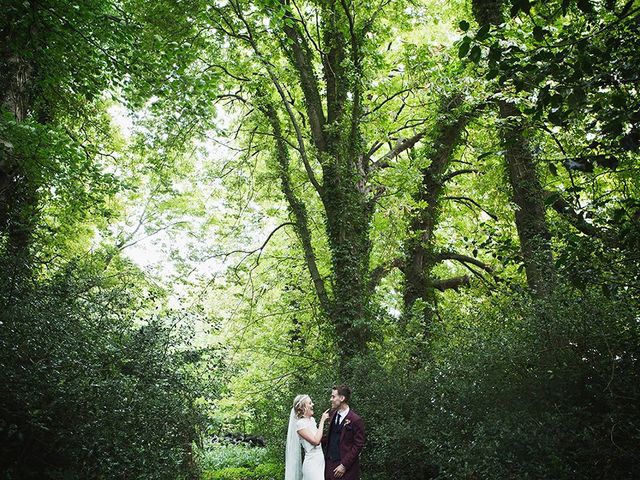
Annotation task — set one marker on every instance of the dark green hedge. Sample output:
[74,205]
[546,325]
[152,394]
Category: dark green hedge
[91,388]
[266,471]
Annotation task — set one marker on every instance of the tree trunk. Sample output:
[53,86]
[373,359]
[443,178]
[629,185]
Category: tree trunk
[419,289]
[528,196]
[348,217]
[527,193]
[336,137]
[18,196]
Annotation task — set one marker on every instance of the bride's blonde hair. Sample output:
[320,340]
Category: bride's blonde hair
[299,403]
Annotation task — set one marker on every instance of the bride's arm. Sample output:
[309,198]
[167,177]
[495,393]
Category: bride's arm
[316,438]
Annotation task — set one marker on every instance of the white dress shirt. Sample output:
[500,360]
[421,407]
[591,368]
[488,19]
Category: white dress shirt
[342,414]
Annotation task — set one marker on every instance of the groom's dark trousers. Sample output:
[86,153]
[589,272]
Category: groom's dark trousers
[342,445]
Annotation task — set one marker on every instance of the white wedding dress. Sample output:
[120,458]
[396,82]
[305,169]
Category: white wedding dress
[313,465]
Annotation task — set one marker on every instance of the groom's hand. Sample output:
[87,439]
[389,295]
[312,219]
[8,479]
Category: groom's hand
[338,472]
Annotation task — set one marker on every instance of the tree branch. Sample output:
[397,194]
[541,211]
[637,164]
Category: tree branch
[306,30]
[466,200]
[301,56]
[388,99]
[378,273]
[301,147]
[333,62]
[296,206]
[451,175]
[400,147]
[451,283]
[464,259]
[274,79]
[576,219]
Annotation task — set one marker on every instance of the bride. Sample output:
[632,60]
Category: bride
[303,431]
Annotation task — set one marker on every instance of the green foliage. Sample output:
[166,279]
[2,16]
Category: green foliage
[569,63]
[269,471]
[219,456]
[71,187]
[229,473]
[266,471]
[99,382]
[517,389]
[94,384]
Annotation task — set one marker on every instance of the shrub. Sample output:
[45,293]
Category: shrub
[269,471]
[519,389]
[229,473]
[220,456]
[87,393]
[265,471]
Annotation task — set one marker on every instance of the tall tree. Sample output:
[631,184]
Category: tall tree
[527,192]
[327,134]
[18,196]
[421,251]
[308,73]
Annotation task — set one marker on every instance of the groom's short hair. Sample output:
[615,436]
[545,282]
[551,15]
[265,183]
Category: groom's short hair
[343,390]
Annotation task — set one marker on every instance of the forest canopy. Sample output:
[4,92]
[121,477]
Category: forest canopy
[209,207]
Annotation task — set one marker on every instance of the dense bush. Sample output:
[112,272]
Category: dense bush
[238,462]
[93,387]
[220,456]
[228,473]
[267,471]
[516,390]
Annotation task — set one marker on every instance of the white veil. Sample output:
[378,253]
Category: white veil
[293,456]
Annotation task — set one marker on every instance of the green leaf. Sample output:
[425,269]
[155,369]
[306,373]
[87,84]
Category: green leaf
[607,161]
[552,197]
[483,32]
[573,101]
[539,33]
[515,8]
[626,8]
[619,100]
[555,100]
[474,56]
[492,73]
[585,6]
[494,53]
[557,117]
[463,49]
[464,25]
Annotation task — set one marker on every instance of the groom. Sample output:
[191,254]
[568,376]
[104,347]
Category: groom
[345,439]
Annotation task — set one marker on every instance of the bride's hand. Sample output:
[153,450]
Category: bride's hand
[325,415]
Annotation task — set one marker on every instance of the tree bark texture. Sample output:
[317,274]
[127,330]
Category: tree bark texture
[18,196]
[420,255]
[526,190]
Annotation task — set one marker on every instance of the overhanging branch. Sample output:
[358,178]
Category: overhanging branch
[466,201]
[296,206]
[400,147]
[465,259]
[576,219]
[302,58]
[451,283]
[378,273]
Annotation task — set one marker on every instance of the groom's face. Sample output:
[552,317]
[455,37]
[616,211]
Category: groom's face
[336,400]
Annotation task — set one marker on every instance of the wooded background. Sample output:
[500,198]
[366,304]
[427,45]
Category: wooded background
[207,207]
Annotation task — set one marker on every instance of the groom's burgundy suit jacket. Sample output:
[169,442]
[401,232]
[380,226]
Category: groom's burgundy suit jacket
[352,439]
